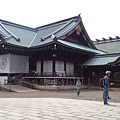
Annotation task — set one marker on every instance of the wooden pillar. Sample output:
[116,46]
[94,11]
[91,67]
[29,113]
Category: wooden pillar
[54,71]
[67,83]
[74,83]
[65,67]
[44,84]
[41,68]
[82,83]
[88,82]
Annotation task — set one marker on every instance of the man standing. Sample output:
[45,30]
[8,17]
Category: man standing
[106,87]
[78,87]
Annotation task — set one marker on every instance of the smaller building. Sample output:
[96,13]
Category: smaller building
[98,64]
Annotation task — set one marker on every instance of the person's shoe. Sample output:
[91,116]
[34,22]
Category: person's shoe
[106,104]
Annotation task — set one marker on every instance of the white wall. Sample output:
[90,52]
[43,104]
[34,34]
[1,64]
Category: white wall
[10,63]
[2,78]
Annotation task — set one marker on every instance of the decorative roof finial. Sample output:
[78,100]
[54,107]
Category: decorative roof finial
[53,37]
[103,38]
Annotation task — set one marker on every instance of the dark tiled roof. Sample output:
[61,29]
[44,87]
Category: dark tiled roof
[110,45]
[32,37]
[102,60]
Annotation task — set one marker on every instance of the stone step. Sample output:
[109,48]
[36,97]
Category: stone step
[17,88]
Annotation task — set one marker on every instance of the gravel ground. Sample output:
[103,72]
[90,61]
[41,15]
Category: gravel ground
[94,95]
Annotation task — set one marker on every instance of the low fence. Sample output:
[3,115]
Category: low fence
[55,83]
[26,84]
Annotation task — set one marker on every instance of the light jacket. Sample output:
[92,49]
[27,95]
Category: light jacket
[78,85]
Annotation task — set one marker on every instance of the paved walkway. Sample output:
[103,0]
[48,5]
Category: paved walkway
[58,105]
[17,88]
[57,109]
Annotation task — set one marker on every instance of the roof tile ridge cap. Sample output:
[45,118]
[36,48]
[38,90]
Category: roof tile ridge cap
[33,39]
[59,29]
[58,22]
[17,25]
[47,26]
[8,31]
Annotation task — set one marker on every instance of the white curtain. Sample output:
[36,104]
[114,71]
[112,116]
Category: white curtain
[59,65]
[5,63]
[59,68]
[39,67]
[14,64]
[69,68]
[19,64]
[48,67]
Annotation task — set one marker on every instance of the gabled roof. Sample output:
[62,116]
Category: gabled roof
[57,29]
[105,59]
[20,35]
[111,45]
[61,30]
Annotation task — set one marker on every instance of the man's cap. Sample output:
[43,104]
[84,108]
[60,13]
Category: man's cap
[108,72]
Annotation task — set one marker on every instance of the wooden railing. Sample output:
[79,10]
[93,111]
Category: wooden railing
[26,84]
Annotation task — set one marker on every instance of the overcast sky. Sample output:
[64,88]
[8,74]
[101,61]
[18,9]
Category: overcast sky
[100,17]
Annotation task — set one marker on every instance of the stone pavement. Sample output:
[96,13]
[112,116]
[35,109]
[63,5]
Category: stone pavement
[59,105]
[57,109]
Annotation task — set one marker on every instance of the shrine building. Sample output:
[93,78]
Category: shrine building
[61,50]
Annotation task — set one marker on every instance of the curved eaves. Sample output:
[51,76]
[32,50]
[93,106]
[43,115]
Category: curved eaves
[46,42]
[80,47]
[12,46]
[117,61]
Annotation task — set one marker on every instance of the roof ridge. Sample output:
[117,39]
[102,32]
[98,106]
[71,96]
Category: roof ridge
[59,29]
[54,23]
[17,25]
[116,39]
[45,27]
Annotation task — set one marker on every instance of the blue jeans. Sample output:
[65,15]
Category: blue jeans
[105,95]
[78,92]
